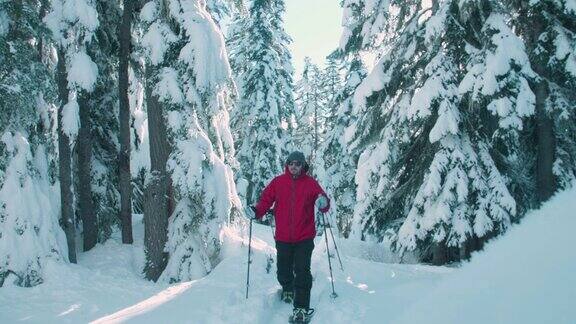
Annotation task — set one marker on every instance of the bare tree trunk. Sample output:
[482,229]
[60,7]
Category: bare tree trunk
[546,146]
[316,121]
[545,140]
[40,45]
[84,151]
[124,119]
[156,203]
[439,254]
[65,168]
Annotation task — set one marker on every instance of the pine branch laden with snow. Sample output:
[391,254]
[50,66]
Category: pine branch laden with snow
[332,88]
[262,115]
[87,33]
[73,24]
[140,145]
[337,161]
[29,202]
[462,196]
[311,112]
[192,84]
[315,93]
[29,230]
[427,177]
[363,23]
[104,112]
[551,45]
[498,77]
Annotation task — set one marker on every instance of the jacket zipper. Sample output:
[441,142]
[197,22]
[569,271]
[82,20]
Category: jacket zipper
[292,194]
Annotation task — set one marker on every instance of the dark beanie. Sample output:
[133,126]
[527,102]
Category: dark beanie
[296,156]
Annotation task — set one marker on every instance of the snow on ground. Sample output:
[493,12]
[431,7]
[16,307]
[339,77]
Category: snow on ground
[525,277]
[528,276]
[104,280]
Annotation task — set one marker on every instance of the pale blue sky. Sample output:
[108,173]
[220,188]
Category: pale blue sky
[314,26]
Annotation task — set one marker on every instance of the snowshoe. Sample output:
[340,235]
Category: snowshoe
[301,316]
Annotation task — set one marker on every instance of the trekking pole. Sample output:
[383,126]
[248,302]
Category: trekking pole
[270,258]
[333,295]
[249,261]
[335,246]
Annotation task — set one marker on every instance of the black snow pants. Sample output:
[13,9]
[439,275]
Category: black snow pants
[293,272]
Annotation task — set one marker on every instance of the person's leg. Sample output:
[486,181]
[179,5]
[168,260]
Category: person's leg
[303,279]
[285,265]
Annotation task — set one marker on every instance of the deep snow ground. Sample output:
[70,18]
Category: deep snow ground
[527,276]
[220,297]
[106,287]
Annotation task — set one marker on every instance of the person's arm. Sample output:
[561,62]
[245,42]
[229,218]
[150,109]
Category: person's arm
[266,199]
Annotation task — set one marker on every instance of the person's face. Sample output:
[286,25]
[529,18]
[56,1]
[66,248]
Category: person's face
[295,167]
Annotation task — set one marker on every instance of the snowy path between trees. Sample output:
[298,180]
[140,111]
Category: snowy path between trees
[106,287]
[526,277]
[220,297]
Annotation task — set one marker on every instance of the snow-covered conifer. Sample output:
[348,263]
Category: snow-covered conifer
[188,78]
[103,102]
[427,179]
[331,84]
[261,118]
[73,25]
[311,103]
[336,163]
[29,208]
[549,35]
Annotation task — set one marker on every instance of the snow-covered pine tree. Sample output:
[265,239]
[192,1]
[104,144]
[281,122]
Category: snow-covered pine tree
[285,71]
[139,142]
[337,164]
[362,24]
[263,73]
[187,80]
[426,178]
[331,87]
[67,217]
[311,105]
[222,10]
[29,208]
[124,119]
[73,24]
[549,32]
[499,80]
[103,120]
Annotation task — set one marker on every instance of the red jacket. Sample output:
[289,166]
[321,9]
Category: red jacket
[294,206]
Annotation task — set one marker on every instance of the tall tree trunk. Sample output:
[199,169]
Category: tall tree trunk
[546,145]
[156,202]
[84,151]
[65,168]
[125,177]
[545,141]
[40,45]
[316,121]
[439,253]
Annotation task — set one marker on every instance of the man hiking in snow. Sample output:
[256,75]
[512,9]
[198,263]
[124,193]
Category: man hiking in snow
[294,194]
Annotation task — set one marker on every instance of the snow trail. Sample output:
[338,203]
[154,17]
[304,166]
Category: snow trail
[106,287]
[220,296]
